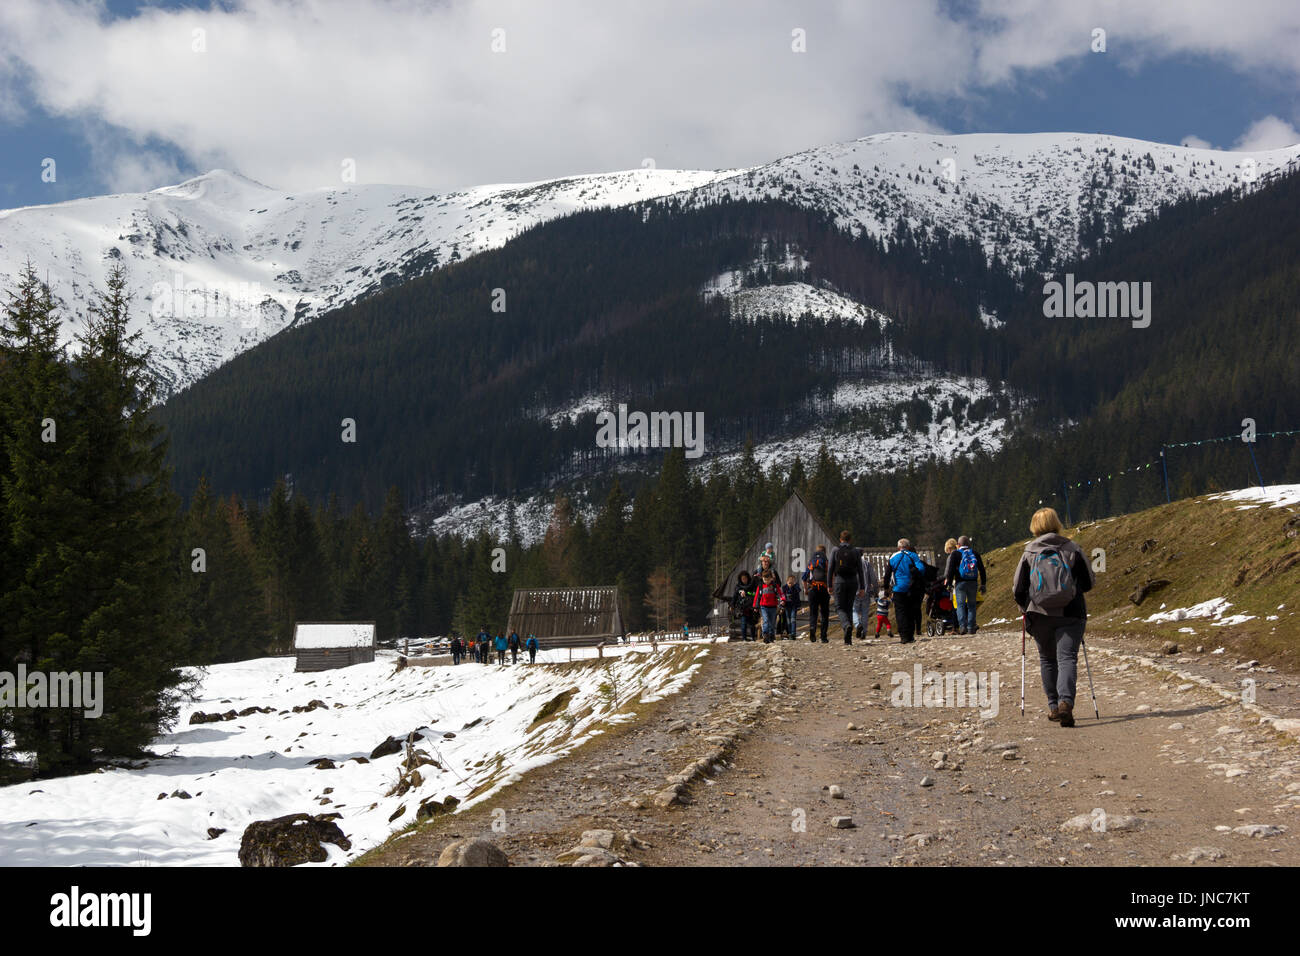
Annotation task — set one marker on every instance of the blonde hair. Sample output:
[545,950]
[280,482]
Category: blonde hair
[1045,521]
[950,544]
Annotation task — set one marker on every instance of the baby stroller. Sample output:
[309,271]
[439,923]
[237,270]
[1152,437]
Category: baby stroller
[941,612]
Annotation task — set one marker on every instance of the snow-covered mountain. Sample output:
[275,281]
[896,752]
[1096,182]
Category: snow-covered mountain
[1005,190]
[219,263]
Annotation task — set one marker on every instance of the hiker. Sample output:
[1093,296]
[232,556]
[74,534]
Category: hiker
[480,647]
[456,649]
[793,598]
[848,581]
[513,642]
[862,603]
[765,563]
[964,574]
[816,577]
[906,573]
[882,611]
[742,604]
[502,646]
[767,599]
[532,649]
[1049,585]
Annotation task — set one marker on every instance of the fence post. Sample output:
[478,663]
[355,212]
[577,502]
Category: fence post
[1164,466]
[1068,519]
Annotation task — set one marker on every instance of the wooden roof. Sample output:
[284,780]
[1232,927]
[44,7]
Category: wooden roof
[793,526]
[558,613]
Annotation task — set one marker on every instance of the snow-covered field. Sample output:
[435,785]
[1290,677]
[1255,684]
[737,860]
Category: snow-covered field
[257,767]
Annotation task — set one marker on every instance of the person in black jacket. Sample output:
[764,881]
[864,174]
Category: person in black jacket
[513,642]
[1049,585]
[963,574]
[456,649]
[816,579]
[848,582]
[742,605]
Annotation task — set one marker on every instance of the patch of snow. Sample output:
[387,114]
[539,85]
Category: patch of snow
[1278,496]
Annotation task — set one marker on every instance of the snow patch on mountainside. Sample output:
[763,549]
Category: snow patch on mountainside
[888,441]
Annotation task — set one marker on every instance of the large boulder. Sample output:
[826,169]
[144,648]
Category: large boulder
[390,746]
[291,839]
[479,852]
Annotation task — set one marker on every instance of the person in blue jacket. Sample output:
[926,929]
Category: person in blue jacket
[502,645]
[481,645]
[532,649]
[905,571]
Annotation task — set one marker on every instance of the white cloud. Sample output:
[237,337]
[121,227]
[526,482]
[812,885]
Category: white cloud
[1267,133]
[411,90]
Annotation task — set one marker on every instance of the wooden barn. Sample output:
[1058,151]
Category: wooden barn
[325,645]
[567,617]
[794,526]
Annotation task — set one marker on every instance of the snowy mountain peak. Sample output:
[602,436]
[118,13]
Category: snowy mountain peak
[250,260]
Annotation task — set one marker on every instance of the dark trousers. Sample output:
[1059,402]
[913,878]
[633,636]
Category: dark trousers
[514,655]
[532,655]
[501,657]
[455,657]
[846,590]
[819,603]
[907,608]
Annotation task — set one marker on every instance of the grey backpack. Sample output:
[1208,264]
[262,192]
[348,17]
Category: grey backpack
[1051,583]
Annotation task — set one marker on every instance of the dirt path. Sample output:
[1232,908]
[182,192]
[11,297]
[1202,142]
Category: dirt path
[763,732]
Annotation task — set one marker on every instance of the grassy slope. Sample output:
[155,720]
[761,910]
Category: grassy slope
[1205,549]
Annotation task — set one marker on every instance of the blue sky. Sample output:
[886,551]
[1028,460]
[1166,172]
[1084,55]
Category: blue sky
[413,92]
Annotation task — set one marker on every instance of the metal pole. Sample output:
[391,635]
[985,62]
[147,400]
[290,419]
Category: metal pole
[1251,448]
[1164,465]
[1068,519]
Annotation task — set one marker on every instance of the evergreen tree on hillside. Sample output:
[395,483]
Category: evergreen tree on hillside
[36,554]
[129,584]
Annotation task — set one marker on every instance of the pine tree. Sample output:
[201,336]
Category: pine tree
[38,522]
[128,624]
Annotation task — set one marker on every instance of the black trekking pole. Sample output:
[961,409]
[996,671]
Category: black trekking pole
[1088,668]
[1022,665]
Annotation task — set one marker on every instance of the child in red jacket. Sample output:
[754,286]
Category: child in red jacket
[767,599]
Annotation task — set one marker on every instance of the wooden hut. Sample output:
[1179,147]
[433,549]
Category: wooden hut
[325,645]
[795,526]
[567,617]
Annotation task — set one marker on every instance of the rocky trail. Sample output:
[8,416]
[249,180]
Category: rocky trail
[795,754]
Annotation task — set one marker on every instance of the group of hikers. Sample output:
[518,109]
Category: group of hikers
[767,608]
[1048,586]
[480,649]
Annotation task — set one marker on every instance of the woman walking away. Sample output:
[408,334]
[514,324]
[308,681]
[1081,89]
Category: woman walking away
[532,649]
[1049,585]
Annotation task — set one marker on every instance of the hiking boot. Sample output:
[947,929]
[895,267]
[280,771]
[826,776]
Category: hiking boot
[1053,713]
[1065,709]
